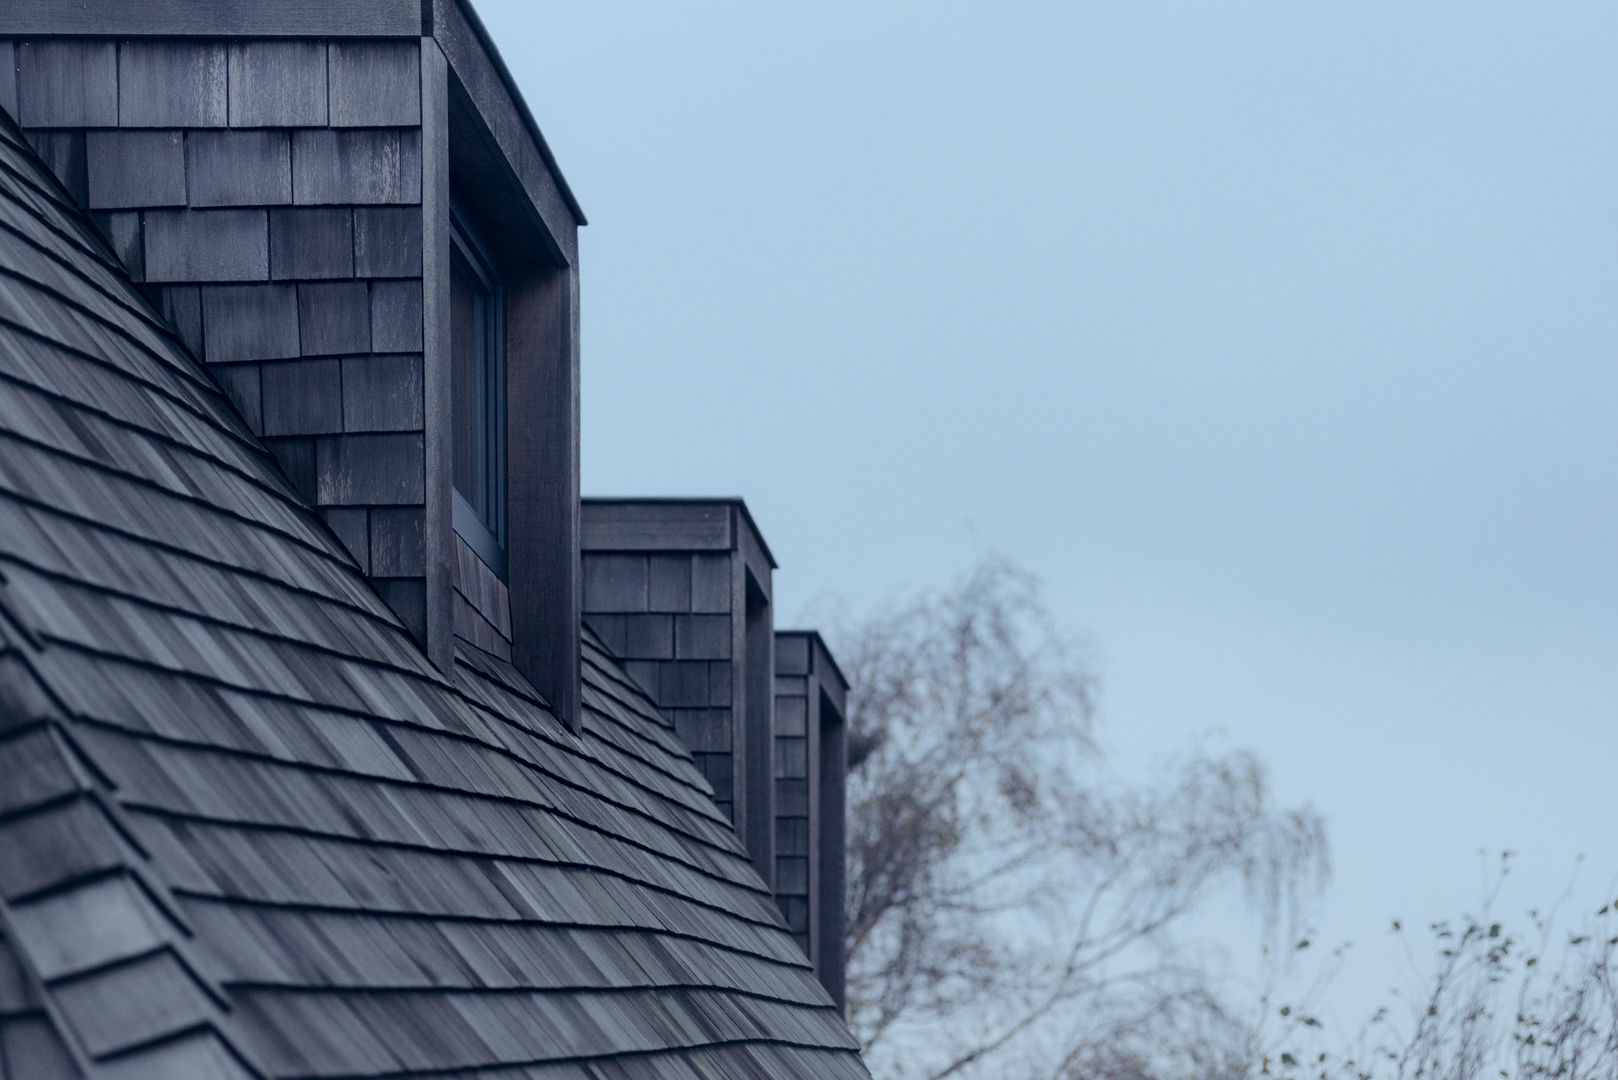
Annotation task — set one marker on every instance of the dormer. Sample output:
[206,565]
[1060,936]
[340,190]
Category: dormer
[680,590]
[349,214]
[811,778]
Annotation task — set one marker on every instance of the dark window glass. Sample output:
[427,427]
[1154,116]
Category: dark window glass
[477,396]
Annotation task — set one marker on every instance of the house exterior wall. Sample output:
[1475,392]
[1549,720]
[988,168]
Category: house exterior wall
[269,196]
[810,769]
[680,591]
[278,176]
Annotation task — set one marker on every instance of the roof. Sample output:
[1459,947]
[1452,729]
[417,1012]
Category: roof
[663,522]
[250,831]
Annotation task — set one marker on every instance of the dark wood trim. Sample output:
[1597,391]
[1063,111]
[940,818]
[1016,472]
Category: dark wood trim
[828,840]
[750,546]
[493,94]
[212,18]
[469,14]
[754,760]
[476,535]
[657,525]
[545,571]
[438,404]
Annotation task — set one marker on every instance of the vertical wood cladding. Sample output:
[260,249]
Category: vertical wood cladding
[268,195]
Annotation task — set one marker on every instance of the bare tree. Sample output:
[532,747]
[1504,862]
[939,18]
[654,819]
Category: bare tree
[1012,910]
[1528,1001]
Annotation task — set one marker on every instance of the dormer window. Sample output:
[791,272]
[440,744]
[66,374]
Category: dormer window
[478,396]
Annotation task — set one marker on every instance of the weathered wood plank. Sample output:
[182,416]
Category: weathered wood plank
[426,321]
[383,393]
[334,318]
[308,243]
[171,84]
[369,470]
[65,83]
[356,167]
[217,18]
[206,245]
[128,169]
[277,84]
[481,72]
[375,84]
[656,525]
[239,168]
[387,241]
[303,397]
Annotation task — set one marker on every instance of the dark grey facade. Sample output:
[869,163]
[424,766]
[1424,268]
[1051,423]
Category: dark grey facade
[292,782]
[811,769]
[284,202]
[680,590]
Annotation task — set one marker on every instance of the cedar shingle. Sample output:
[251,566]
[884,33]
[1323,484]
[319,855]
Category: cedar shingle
[702,637]
[135,169]
[250,322]
[277,84]
[67,83]
[122,231]
[396,316]
[334,318]
[387,241]
[351,526]
[241,384]
[357,834]
[370,470]
[206,245]
[340,167]
[311,243]
[239,168]
[303,397]
[171,84]
[63,154]
[375,83]
[382,393]
[398,541]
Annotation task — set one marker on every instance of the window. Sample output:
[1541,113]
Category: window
[478,397]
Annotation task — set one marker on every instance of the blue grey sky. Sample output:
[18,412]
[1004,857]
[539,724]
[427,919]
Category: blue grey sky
[1278,337]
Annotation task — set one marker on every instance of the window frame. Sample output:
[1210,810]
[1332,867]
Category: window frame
[487,538]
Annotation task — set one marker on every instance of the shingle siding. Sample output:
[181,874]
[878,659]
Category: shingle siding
[285,179]
[208,672]
[375,84]
[249,322]
[67,84]
[354,167]
[171,84]
[810,775]
[334,317]
[680,588]
[277,84]
[135,169]
[239,168]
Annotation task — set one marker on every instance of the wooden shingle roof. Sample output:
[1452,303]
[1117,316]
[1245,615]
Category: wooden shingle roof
[247,830]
